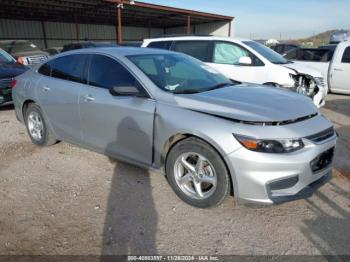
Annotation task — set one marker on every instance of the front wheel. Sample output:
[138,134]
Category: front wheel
[197,173]
[37,127]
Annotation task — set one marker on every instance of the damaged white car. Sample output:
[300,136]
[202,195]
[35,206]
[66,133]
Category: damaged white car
[248,61]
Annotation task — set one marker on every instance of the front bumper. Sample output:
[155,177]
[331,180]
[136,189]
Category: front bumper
[272,178]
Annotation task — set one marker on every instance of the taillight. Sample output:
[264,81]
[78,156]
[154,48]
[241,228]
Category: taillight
[13,83]
[22,60]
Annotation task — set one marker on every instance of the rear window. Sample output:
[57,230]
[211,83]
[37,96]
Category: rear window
[315,55]
[346,56]
[24,47]
[5,58]
[160,45]
[196,49]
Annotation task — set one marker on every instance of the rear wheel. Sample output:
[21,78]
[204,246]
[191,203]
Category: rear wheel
[37,127]
[197,173]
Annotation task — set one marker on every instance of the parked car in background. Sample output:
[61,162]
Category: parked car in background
[169,111]
[282,49]
[321,54]
[333,61]
[9,69]
[248,61]
[339,36]
[54,50]
[132,43]
[86,44]
[25,52]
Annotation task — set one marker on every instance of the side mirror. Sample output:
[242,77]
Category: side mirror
[125,91]
[245,60]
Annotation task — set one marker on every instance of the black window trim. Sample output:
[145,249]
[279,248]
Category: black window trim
[210,48]
[161,41]
[232,43]
[141,84]
[343,61]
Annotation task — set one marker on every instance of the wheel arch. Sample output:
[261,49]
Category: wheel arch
[25,105]
[176,138]
[24,108]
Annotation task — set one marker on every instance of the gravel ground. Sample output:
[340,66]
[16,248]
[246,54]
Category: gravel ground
[69,201]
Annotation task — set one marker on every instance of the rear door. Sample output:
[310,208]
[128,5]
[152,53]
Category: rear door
[340,70]
[197,49]
[58,91]
[120,126]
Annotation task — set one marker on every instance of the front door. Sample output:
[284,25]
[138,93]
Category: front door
[340,71]
[120,126]
[226,57]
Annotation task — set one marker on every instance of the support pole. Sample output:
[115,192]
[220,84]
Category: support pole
[77,31]
[119,26]
[229,29]
[188,28]
[149,29]
[44,33]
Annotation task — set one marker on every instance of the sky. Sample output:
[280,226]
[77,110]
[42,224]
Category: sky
[262,19]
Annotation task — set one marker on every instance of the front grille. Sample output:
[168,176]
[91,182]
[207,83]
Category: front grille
[322,161]
[321,136]
[36,59]
[284,183]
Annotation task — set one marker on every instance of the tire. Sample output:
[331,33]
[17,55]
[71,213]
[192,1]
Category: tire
[212,177]
[44,137]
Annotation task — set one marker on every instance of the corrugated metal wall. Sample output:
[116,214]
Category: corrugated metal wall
[216,28]
[58,34]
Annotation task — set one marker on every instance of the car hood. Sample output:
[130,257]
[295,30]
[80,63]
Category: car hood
[11,70]
[250,103]
[301,69]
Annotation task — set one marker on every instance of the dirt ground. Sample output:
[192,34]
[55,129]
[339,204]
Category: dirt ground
[67,200]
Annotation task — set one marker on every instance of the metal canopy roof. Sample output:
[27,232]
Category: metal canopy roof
[104,12]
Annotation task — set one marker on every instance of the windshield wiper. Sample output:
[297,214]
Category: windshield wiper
[194,91]
[187,91]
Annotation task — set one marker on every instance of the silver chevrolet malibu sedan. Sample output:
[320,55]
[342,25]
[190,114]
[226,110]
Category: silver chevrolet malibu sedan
[210,136]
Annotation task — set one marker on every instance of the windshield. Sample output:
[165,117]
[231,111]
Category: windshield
[5,58]
[266,52]
[24,47]
[178,73]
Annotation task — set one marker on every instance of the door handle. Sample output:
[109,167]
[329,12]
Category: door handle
[46,88]
[89,98]
[338,69]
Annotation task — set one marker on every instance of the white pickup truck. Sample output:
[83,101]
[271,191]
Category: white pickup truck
[335,69]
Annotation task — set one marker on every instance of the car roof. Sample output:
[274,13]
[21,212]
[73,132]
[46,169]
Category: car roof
[119,51]
[187,38]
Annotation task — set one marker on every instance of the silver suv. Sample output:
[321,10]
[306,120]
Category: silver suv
[210,136]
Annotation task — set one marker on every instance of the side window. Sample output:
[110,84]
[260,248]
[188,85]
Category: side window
[346,56]
[228,53]
[197,49]
[69,68]
[45,69]
[160,45]
[105,72]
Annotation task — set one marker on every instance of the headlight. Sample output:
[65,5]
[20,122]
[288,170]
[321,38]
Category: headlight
[270,146]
